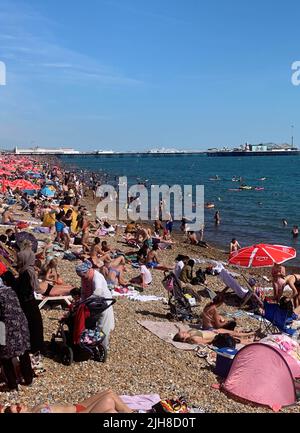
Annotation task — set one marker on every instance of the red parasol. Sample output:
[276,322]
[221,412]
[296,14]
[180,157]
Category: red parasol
[24,184]
[261,255]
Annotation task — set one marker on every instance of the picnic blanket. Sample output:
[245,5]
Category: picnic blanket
[166,331]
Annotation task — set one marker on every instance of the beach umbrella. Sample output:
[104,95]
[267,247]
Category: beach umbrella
[261,255]
[20,237]
[24,185]
[47,192]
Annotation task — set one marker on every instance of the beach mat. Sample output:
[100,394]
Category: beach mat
[166,331]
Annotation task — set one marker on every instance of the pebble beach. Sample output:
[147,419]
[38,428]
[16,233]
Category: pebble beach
[139,362]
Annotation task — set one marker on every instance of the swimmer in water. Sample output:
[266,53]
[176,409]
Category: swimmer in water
[284,222]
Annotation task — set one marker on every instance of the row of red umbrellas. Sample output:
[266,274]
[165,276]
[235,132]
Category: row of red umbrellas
[21,184]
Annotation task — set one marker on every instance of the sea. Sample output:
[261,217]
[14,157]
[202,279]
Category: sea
[250,216]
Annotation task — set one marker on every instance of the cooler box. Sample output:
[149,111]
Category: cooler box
[224,360]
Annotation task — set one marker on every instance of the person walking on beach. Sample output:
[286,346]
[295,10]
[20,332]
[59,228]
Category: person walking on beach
[217,218]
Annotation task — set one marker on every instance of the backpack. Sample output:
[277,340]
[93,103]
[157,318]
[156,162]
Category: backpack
[224,340]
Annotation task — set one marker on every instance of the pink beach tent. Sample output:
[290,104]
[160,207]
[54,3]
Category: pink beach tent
[261,374]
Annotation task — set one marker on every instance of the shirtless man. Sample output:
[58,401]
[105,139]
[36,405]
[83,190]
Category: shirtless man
[152,260]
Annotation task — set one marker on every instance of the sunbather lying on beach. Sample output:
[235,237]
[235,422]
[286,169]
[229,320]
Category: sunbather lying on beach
[103,402]
[195,336]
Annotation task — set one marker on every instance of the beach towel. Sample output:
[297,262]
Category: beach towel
[142,402]
[166,331]
[134,295]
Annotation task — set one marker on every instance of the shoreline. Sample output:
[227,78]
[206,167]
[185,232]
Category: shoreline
[218,249]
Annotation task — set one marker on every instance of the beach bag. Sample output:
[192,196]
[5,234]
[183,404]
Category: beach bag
[171,406]
[224,340]
[91,337]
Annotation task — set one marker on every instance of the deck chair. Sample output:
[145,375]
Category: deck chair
[44,299]
[243,293]
[276,320]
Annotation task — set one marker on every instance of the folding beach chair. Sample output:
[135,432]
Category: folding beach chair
[44,299]
[276,320]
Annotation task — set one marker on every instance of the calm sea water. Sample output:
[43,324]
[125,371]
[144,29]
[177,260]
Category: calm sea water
[250,216]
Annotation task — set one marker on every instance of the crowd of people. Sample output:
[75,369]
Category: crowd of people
[29,268]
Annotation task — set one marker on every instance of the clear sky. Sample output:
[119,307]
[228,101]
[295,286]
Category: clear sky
[139,74]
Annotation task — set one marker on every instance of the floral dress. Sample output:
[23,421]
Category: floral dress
[16,326]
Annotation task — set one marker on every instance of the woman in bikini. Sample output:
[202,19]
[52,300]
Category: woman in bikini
[196,336]
[103,402]
[52,284]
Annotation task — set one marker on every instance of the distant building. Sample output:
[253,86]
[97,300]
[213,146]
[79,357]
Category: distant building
[258,147]
[40,150]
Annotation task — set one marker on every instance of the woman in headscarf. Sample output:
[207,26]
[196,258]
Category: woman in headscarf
[14,338]
[27,284]
[93,284]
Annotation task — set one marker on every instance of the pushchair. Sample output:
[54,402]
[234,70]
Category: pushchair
[180,308]
[89,345]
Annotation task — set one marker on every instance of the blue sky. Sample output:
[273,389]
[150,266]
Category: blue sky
[139,74]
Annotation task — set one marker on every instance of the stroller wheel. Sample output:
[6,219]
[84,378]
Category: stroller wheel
[100,353]
[66,355]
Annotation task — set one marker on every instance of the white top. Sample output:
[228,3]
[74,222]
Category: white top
[178,268]
[147,274]
[108,319]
